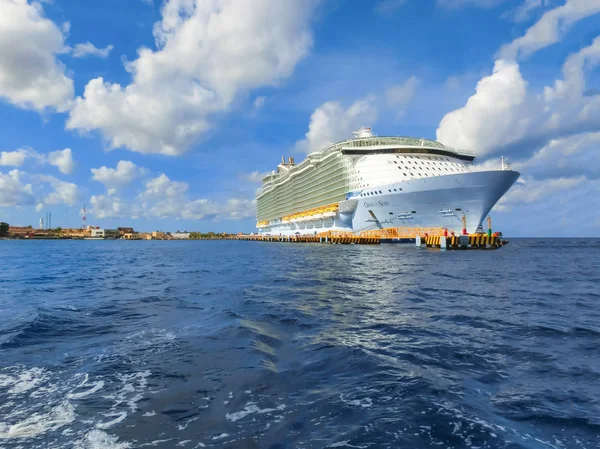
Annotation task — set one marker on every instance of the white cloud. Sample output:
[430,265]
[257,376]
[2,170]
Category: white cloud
[532,191]
[63,160]
[64,192]
[13,158]
[572,156]
[402,94]
[330,123]
[31,76]
[207,53]
[124,173]
[165,198]
[550,28]
[163,187]
[255,176]
[102,206]
[573,82]
[503,114]
[384,7]
[13,192]
[524,10]
[493,116]
[89,49]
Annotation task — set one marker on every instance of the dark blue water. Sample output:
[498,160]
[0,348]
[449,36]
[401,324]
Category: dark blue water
[114,344]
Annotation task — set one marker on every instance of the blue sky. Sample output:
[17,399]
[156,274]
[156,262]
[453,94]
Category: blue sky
[164,114]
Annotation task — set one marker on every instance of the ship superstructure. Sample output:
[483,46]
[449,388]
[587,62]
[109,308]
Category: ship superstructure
[370,182]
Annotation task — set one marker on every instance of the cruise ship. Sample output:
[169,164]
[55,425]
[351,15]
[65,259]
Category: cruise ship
[371,182]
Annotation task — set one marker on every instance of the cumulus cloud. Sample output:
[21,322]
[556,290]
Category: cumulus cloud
[88,49]
[125,173]
[13,191]
[64,192]
[331,122]
[493,116]
[503,115]
[163,187]
[102,206]
[63,160]
[207,53]
[550,28]
[13,158]
[31,76]
[165,198]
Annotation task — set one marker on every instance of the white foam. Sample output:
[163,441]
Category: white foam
[40,423]
[184,442]
[345,444]
[96,439]
[182,427]
[152,413]
[97,386]
[249,409]
[220,437]
[365,402]
[119,417]
[24,381]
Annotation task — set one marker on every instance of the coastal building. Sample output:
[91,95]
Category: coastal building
[98,233]
[125,233]
[181,235]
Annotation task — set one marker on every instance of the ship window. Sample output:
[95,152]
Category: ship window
[380,191]
[413,211]
[395,190]
[391,213]
[404,174]
[400,190]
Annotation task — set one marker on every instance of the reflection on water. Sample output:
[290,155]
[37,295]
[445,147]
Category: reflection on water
[243,344]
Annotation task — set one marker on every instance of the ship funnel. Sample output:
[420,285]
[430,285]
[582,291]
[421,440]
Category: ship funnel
[283,159]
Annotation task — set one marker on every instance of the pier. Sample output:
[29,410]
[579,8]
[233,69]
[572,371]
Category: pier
[437,238]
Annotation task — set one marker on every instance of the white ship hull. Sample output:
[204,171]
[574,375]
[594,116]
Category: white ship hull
[437,202]
[434,202]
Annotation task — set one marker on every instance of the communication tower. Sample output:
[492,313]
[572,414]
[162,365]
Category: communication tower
[83,218]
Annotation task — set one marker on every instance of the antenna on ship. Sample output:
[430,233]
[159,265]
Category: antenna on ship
[505,165]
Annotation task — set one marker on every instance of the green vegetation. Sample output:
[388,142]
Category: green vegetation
[4,229]
[208,236]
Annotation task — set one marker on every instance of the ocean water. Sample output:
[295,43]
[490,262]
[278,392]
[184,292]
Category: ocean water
[115,344]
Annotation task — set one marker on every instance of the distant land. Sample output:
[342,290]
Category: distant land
[96,233]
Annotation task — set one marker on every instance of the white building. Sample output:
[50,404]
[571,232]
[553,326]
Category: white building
[181,235]
[98,233]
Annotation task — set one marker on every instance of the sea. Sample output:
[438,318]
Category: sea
[232,344]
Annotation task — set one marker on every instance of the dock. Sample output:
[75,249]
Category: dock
[436,238]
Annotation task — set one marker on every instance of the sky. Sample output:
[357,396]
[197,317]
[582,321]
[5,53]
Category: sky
[165,114]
